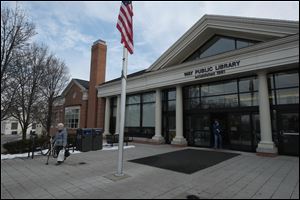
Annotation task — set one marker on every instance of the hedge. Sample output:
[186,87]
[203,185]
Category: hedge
[22,146]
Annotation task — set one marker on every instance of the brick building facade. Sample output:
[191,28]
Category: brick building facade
[78,106]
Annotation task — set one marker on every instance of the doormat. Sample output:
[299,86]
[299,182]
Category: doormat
[186,161]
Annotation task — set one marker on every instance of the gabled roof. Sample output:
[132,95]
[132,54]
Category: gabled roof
[242,27]
[82,84]
[128,76]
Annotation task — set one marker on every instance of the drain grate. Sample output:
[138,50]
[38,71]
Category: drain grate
[192,197]
[82,163]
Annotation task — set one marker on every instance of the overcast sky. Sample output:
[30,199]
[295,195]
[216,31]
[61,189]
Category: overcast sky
[70,28]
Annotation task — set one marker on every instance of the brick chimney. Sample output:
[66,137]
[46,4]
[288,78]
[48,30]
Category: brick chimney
[97,76]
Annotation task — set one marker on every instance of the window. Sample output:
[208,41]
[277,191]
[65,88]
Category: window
[140,115]
[226,94]
[142,105]
[248,91]
[14,125]
[284,88]
[148,110]
[219,88]
[219,44]
[33,126]
[72,115]
[149,115]
[132,118]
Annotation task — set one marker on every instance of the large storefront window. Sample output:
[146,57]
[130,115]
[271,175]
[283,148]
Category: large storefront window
[140,115]
[72,115]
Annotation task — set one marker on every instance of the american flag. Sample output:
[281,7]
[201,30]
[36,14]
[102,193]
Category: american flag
[124,25]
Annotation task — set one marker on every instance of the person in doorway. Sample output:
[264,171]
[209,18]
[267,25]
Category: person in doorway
[217,134]
[61,138]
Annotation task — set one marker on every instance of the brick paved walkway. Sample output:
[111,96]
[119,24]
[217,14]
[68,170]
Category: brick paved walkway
[244,176]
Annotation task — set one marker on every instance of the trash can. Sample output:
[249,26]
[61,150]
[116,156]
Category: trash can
[97,139]
[84,139]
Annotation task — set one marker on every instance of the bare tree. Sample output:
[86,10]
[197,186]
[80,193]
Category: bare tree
[53,82]
[29,78]
[16,32]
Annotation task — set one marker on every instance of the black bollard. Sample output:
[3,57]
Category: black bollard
[32,135]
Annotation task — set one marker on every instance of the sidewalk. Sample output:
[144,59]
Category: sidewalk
[84,176]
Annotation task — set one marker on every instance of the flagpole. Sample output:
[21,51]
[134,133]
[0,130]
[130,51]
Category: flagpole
[122,117]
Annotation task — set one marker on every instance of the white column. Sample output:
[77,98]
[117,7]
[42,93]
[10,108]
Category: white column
[158,112]
[118,114]
[107,116]
[266,145]
[179,139]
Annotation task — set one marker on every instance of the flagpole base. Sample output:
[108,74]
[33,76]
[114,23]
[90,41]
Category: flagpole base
[119,175]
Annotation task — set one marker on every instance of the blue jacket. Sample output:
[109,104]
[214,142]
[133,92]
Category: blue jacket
[216,129]
[61,138]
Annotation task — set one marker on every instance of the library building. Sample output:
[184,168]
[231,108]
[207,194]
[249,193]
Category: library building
[243,72]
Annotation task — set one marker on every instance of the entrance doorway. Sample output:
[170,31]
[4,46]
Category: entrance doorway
[223,121]
[288,138]
[240,130]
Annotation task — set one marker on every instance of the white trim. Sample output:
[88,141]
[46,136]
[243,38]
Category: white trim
[266,56]
[72,108]
[73,81]
[266,29]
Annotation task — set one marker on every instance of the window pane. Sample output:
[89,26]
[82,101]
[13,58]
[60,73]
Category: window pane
[172,95]
[171,105]
[149,115]
[220,101]
[243,43]
[287,80]
[220,46]
[149,97]
[248,99]
[290,122]
[288,96]
[248,85]
[192,103]
[219,88]
[132,116]
[192,91]
[133,99]
[14,125]
[72,117]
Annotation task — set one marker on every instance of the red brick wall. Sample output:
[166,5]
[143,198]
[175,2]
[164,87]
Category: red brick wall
[70,100]
[97,76]
[100,112]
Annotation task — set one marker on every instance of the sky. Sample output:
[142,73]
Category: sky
[70,28]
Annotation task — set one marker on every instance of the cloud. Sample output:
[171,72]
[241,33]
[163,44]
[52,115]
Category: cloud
[70,28]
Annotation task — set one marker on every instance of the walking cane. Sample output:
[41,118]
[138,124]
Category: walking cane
[49,153]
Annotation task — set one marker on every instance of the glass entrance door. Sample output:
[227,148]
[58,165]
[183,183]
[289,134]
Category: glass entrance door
[240,132]
[288,123]
[200,131]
